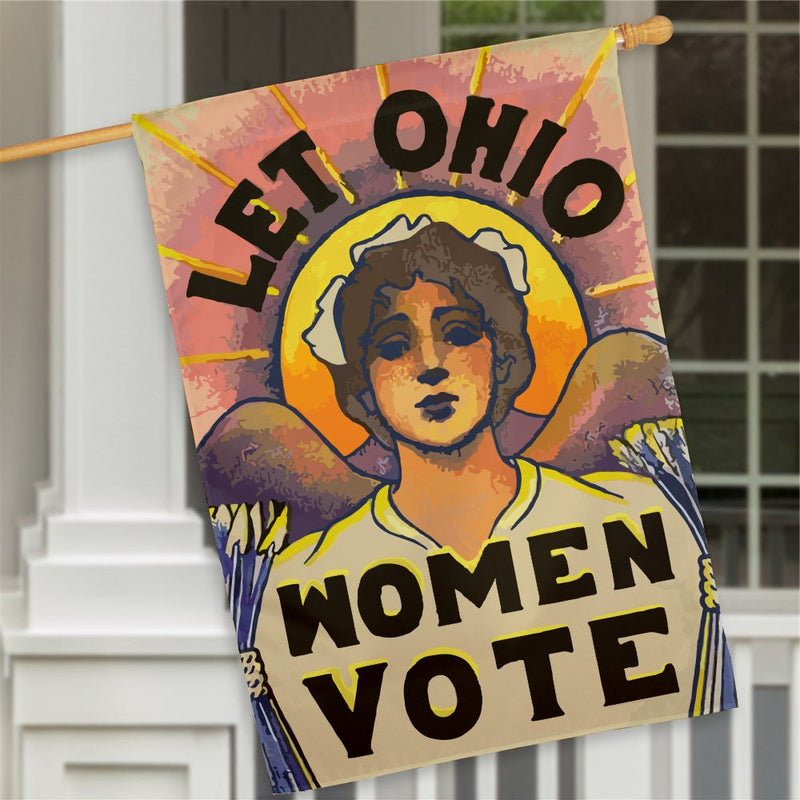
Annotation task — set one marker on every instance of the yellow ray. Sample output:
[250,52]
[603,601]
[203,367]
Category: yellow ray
[180,148]
[347,190]
[296,119]
[383,86]
[205,267]
[609,43]
[479,71]
[383,80]
[236,355]
[475,84]
[193,157]
[213,270]
[327,162]
[603,289]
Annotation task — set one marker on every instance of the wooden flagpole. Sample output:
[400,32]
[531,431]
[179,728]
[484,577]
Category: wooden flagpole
[655,30]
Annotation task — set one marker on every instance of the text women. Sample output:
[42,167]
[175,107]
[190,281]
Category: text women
[328,605]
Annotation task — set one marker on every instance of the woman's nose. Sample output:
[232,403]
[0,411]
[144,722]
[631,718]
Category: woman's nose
[433,376]
[428,355]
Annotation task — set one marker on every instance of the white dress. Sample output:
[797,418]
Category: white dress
[344,659]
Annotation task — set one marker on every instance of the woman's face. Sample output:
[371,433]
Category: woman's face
[430,365]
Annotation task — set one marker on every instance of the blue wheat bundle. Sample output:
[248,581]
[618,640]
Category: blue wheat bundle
[658,449]
[247,540]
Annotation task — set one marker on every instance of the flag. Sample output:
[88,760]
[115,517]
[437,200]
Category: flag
[418,328]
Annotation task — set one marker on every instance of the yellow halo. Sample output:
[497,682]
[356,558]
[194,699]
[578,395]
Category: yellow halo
[555,325]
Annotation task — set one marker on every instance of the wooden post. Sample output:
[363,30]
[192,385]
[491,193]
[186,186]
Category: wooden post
[655,30]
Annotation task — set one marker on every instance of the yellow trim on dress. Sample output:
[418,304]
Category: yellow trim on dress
[587,483]
[295,548]
[527,489]
[330,535]
[389,518]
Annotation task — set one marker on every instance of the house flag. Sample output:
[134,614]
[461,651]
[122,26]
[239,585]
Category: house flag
[436,423]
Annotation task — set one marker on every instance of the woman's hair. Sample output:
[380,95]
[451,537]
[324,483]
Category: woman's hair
[477,277]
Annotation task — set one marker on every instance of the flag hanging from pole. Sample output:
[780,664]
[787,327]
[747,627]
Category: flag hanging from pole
[437,428]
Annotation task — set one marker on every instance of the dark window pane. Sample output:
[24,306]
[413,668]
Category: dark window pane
[724,511]
[470,41]
[779,289]
[779,10]
[780,423]
[474,12]
[780,535]
[701,9]
[559,11]
[711,757]
[700,81]
[704,308]
[778,201]
[318,38]
[701,196]
[231,46]
[778,84]
[713,409]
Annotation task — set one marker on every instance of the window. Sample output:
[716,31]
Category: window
[475,23]
[727,260]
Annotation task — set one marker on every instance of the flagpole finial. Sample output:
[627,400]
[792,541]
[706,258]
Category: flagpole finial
[655,30]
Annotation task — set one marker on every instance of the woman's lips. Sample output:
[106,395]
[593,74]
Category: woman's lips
[437,407]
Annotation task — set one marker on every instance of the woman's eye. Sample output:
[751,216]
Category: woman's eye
[461,335]
[392,349]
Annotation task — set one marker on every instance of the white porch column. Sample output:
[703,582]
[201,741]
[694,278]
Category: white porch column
[125,680]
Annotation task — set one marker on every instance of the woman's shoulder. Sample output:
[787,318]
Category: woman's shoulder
[299,550]
[314,546]
[613,486]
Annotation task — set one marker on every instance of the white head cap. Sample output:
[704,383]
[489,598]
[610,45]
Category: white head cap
[323,335]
